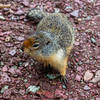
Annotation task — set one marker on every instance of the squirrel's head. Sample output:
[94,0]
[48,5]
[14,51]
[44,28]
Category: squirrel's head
[39,45]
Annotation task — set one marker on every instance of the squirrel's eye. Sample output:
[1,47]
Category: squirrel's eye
[35,45]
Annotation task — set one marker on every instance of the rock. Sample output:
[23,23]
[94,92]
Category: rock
[60,94]
[91,1]
[12,70]
[98,57]
[22,92]
[86,87]
[5,68]
[99,84]
[70,99]
[78,1]
[25,80]
[26,3]
[26,64]
[64,87]
[47,94]
[1,63]
[33,88]
[97,98]
[7,94]
[93,40]
[68,8]
[79,69]
[78,78]
[4,88]
[79,19]
[76,43]
[57,10]
[88,75]
[5,9]
[19,12]
[98,16]
[2,18]
[88,18]
[7,39]
[76,98]
[12,52]
[20,38]
[4,78]
[75,13]
[8,44]
[97,77]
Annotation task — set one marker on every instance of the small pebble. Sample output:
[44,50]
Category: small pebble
[86,87]
[79,19]
[12,52]
[79,69]
[25,80]
[70,99]
[26,64]
[88,18]
[2,18]
[88,75]
[76,98]
[33,88]
[75,13]
[19,12]
[97,77]
[76,43]
[20,38]
[93,40]
[6,9]
[98,57]
[4,69]
[26,3]
[64,86]
[78,78]
[57,10]
[12,70]
[98,98]
[7,39]
[22,92]
[4,88]
[99,84]
[68,8]
[91,1]
[1,63]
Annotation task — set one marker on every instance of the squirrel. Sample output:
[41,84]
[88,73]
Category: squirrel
[53,40]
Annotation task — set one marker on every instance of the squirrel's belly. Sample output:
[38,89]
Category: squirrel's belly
[55,60]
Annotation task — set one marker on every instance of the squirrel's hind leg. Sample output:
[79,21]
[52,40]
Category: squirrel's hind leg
[63,69]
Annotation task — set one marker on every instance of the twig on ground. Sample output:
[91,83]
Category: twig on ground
[5,6]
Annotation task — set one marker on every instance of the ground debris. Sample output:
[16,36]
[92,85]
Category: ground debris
[5,6]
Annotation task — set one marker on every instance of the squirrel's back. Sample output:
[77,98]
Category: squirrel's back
[58,25]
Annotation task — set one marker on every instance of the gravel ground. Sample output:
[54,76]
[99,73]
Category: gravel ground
[21,77]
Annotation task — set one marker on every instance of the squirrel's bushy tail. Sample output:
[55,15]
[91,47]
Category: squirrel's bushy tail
[36,14]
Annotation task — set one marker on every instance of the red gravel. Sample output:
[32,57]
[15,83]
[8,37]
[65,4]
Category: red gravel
[18,71]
